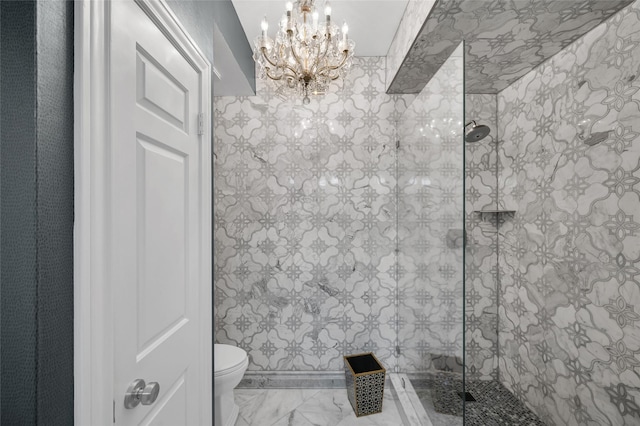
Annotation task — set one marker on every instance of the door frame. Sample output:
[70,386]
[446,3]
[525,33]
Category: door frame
[93,309]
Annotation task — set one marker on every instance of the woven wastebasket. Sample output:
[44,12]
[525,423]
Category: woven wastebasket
[365,383]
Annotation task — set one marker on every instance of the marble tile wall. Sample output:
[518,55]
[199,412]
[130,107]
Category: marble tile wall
[431,46]
[504,39]
[430,223]
[310,206]
[481,255]
[570,258]
[414,17]
[305,223]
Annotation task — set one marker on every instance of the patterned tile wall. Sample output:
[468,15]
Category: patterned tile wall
[430,225]
[504,39]
[481,258]
[431,47]
[413,18]
[305,223]
[570,258]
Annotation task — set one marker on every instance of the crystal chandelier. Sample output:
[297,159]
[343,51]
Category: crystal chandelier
[305,55]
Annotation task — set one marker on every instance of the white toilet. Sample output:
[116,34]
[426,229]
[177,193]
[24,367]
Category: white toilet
[229,365]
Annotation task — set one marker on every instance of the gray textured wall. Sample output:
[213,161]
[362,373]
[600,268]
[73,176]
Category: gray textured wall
[36,208]
[54,212]
[36,247]
[18,213]
[197,18]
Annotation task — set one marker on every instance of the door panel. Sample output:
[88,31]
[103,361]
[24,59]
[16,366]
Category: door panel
[170,410]
[155,223]
[162,178]
[160,93]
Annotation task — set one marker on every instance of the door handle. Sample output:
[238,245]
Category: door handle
[140,392]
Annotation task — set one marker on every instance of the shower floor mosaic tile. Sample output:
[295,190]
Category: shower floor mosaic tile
[494,405]
[309,407]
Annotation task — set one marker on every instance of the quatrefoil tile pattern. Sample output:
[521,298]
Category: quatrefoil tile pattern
[430,206]
[569,159]
[481,255]
[330,240]
[504,39]
[305,223]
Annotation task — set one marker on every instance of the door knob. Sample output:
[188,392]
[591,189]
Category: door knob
[140,392]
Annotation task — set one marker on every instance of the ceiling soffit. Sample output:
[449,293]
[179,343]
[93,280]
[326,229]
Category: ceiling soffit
[504,39]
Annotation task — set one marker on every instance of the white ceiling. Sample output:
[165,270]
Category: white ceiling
[372,23]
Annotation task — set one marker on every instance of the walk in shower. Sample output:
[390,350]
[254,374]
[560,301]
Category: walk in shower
[431,239]
[340,230]
[496,278]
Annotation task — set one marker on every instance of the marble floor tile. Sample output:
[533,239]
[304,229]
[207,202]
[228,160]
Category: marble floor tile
[294,418]
[241,422]
[494,405]
[309,407]
[260,407]
[328,407]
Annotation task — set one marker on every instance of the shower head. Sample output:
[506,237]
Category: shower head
[476,132]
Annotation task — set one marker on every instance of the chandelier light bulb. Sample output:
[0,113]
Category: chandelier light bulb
[289,9]
[327,9]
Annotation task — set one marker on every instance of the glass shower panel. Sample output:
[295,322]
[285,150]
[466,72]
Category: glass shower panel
[482,215]
[431,242]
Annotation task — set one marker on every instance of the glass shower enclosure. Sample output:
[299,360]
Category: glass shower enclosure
[431,249]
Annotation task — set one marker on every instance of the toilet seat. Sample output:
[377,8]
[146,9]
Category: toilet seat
[228,359]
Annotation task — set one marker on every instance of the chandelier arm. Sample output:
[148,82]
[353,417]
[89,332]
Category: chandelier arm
[284,75]
[279,77]
[319,57]
[329,68]
[293,51]
[286,65]
[294,73]
[273,77]
[264,55]
[328,72]
[275,65]
[326,47]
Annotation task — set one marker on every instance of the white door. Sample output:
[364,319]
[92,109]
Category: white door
[156,224]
